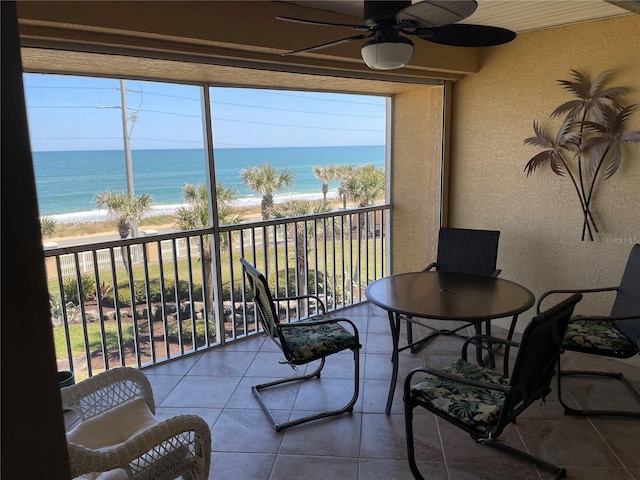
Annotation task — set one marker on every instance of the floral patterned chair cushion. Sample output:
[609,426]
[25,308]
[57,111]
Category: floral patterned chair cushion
[303,343]
[477,407]
[597,336]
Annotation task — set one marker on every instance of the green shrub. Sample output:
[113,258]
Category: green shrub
[70,288]
[187,331]
[237,291]
[291,283]
[140,293]
[48,226]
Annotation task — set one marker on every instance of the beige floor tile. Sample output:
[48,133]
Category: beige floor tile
[367,444]
[314,468]
[245,466]
[337,436]
[386,469]
[567,443]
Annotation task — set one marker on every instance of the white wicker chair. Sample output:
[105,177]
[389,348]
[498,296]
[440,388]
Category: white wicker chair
[119,437]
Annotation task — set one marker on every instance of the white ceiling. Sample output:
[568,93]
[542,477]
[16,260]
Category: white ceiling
[517,15]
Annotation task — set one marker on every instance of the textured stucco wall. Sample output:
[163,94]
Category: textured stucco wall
[415,177]
[539,216]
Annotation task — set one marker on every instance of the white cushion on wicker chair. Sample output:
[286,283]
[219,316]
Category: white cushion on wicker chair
[117,474]
[114,426]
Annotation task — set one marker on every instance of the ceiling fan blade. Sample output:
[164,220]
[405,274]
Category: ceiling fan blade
[466,35]
[323,24]
[329,44]
[435,13]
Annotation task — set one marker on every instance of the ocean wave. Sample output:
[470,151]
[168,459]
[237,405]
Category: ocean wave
[169,209]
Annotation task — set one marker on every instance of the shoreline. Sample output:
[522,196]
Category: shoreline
[169,209]
[84,227]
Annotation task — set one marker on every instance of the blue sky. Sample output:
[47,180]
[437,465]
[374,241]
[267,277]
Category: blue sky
[84,113]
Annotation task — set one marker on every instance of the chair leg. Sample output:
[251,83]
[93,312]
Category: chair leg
[559,471]
[408,424]
[615,375]
[411,456]
[316,373]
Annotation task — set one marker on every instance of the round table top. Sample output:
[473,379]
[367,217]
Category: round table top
[449,296]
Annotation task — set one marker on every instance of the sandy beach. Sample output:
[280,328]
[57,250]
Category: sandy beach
[94,226]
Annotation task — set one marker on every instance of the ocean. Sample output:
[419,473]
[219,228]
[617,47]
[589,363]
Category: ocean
[67,182]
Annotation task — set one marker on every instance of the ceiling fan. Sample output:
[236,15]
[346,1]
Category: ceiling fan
[387,22]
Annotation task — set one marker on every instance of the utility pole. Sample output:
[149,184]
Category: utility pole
[127,151]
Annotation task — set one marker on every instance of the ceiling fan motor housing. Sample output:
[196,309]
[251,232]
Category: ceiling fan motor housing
[382,11]
[388,22]
[387,53]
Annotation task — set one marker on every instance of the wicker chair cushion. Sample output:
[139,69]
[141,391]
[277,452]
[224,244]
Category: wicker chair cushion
[477,407]
[114,426]
[597,336]
[307,342]
[117,474]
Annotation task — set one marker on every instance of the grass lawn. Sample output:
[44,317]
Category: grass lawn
[94,335]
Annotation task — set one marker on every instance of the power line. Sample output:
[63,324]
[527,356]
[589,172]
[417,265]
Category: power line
[198,116]
[169,96]
[171,113]
[240,121]
[298,126]
[296,111]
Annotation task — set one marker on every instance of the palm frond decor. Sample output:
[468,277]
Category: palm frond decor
[588,143]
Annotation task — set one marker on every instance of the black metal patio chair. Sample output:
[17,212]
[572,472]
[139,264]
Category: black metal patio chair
[302,342]
[482,402]
[616,335]
[465,250]
[461,250]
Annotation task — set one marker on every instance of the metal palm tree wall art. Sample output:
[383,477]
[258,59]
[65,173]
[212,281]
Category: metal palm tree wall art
[588,145]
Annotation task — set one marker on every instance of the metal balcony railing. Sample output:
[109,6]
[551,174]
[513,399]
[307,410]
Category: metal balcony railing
[140,301]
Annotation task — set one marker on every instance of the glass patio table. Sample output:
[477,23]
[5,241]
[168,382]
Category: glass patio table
[473,299]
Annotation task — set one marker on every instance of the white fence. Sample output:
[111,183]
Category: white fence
[104,257]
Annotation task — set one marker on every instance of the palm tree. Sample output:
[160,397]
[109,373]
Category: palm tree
[304,232]
[590,132]
[48,226]
[325,175]
[365,184]
[342,173]
[265,180]
[196,215]
[127,211]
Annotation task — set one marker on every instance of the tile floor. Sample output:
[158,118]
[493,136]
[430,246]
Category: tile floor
[369,445]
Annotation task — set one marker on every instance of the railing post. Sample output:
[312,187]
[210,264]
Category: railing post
[333,240]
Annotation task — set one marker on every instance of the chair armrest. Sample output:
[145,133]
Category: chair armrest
[303,297]
[454,378]
[167,434]
[585,290]
[107,390]
[431,266]
[477,340]
[474,339]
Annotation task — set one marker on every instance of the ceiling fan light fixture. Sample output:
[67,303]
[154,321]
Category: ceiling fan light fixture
[387,55]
